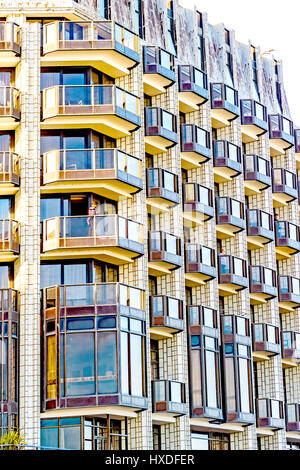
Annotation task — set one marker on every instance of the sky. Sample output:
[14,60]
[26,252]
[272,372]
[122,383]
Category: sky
[269,24]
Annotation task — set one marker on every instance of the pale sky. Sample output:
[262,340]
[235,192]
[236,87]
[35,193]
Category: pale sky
[269,24]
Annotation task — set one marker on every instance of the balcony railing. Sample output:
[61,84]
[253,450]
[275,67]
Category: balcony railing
[287,238]
[289,292]
[266,340]
[195,146]
[292,417]
[9,236]
[93,232]
[257,174]
[166,313]
[269,413]
[10,106]
[193,88]
[10,37]
[254,119]
[230,217]
[297,140]
[263,284]
[164,251]
[9,167]
[160,130]
[169,397]
[90,35]
[160,66]
[162,187]
[198,204]
[200,264]
[291,346]
[233,275]
[92,164]
[260,228]
[284,186]
[227,160]
[224,103]
[281,132]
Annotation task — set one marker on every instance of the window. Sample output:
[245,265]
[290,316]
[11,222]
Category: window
[154,359]
[104,8]
[254,76]
[229,72]
[156,430]
[139,18]
[171,30]
[210,441]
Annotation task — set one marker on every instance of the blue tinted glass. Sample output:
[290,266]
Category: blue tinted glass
[46,423]
[5,332]
[80,324]
[106,322]
[195,341]
[62,325]
[228,349]
[69,421]
[49,437]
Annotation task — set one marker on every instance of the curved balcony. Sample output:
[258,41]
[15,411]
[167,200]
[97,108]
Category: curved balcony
[263,284]
[166,316]
[233,276]
[260,228]
[104,45]
[198,204]
[292,414]
[269,414]
[168,397]
[164,253]
[287,239]
[160,130]
[284,187]
[105,108]
[9,172]
[289,293]
[93,338]
[9,366]
[195,146]
[281,132]
[224,105]
[108,172]
[266,341]
[159,70]
[193,88]
[254,120]
[297,147]
[9,44]
[200,264]
[290,349]
[10,108]
[227,161]
[109,238]
[257,174]
[230,217]
[162,190]
[9,240]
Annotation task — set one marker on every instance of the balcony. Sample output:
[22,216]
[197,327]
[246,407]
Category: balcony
[204,364]
[198,204]
[94,324]
[284,187]
[254,120]
[160,130]
[227,161]
[169,397]
[166,316]
[281,131]
[195,146]
[9,368]
[266,341]
[260,229]
[105,108]
[9,240]
[297,147]
[292,417]
[233,276]
[224,105]
[269,414]
[9,44]
[164,253]
[257,174]
[290,349]
[230,217]
[109,238]
[200,264]
[10,108]
[263,284]
[287,239]
[104,45]
[193,88]
[9,172]
[108,172]
[162,190]
[289,293]
[159,70]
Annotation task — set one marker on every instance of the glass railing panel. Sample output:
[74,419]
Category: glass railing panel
[208,317]
[160,391]
[241,326]
[225,264]
[286,126]
[246,108]
[216,92]
[173,308]
[233,152]
[275,122]
[199,78]
[236,209]
[262,166]
[260,111]
[255,272]
[287,340]
[268,277]
[204,195]
[169,181]
[253,218]
[222,206]
[76,160]
[262,409]
[291,413]
[295,286]
[166,60]
[157,306]
[104,159]
[258,333]
[192,253]
[106,294]
[133,165]
[271,334]
[230,95]
[201,137]
[171,244]
[167,121]
[206,254]
[77,296]
[175,392]
[293,232]
[238,267]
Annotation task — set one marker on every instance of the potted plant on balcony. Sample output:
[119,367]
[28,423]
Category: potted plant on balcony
[12,440]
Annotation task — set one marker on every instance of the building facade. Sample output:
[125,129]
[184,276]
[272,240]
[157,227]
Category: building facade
[149,244]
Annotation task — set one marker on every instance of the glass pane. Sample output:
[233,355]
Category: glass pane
[255,271]
[175,392]
[233,152]
[293,232]
[171,244]
[211,379]
[204,195]
[70,437]
[173,308]
[167,121]
[235,208]
[107,362]
[238,267]
[262,166]
[262,409]
[124,376]
[201,137]
[169,181]
[258,333]
[136,363]
[206,256]
[253,219]
[268,277]
[244,385]
[208,317]
[80,364]
[295,286]
[284,285]
[222,206]
[157,306]
[200,442]
[249,163]
[275,409]
[265,220]
[241,326]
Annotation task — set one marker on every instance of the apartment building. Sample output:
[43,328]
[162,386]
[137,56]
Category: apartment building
[149,241]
